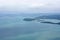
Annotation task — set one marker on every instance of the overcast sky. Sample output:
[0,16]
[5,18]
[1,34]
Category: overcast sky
[31,6]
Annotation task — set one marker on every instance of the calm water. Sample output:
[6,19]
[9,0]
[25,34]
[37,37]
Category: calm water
[14,28]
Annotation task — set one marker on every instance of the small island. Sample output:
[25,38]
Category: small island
[48,22]
[28,19]
[51,23]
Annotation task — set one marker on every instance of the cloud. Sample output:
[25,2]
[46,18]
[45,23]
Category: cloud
[28,5]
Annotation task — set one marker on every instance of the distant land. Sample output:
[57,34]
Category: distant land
[28,19]
[51,16]
[56,16]
[35,16]
[51,23]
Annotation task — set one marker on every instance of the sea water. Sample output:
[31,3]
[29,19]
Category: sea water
[15,28]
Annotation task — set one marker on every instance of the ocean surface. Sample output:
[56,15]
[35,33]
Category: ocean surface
[15,28]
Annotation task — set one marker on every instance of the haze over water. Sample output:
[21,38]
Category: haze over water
[14,27]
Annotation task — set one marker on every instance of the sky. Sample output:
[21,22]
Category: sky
[30,6]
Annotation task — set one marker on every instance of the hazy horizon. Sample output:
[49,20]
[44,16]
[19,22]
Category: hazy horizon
[29,19]
[30,6]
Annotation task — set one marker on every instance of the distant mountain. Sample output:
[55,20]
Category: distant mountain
[52,16]
[36,16]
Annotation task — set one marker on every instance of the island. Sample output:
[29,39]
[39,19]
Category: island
[28,19]
[51,23]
